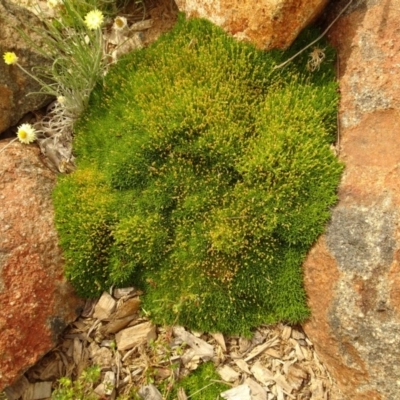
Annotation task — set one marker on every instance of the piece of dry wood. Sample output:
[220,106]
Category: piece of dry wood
[38,390]
[256,390]
[228,374]
[262,347]
[262,373]
[16,390]
[101,356]
[135,335]
[295,376]
[122,292]
[297,334]
[242,365]
[282,382]
[241,392]
[219,338]
[77,354]
[149,392]
[273,353]
[127,308]
[286,332]
[181,394]
[141,25]
[105,306]
[115,325]
[202,349]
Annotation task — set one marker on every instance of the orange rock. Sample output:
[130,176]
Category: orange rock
[266,23]
[352,274]
[15,84]
[36,303]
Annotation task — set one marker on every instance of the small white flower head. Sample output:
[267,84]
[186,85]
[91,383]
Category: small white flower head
[94,19]
[26,133]
[61,100]
[54,3]
[10,58]
[120,23]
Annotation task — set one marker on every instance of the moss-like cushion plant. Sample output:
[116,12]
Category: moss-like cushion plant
[204,176]
[202,384]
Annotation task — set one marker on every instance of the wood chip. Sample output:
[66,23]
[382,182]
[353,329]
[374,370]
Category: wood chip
[241,392]
[115,325]
[77,354]
[102,357]
[141,25]
[227,373]
[242,365]
[135,335]
[262,373]
[295,376]
[202,349]
[38,390]
[282,382]
[297,334]
[149,392]
[127,308]
[109,382]
[273,353]
[181,394]
[256,390]
[104,307]
[15,391]
[122,292]
[219,338]
[261,348]
[286,332]
[244,345]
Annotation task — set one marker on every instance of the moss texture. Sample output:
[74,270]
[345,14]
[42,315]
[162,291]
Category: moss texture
[202,384]
[204,176]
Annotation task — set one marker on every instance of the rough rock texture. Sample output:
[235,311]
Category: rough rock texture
[15,84]
[352,275]
[36,303]
[266,23]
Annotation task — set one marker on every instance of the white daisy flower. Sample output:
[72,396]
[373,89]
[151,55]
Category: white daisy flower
[26,133]
[120,23]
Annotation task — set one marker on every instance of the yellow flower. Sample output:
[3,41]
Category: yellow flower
[94,19]
[10,58]
[26,133]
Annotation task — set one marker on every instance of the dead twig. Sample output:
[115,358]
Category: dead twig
[317,39]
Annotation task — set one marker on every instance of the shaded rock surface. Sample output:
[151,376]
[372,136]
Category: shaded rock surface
[15,85]
[352,275]
[266,23]
[36,303]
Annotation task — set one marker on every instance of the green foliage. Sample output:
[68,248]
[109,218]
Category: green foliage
[81,389]
[204,176]
[202,384]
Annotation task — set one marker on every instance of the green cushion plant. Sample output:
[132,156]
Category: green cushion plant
[204,176]
[202,384]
